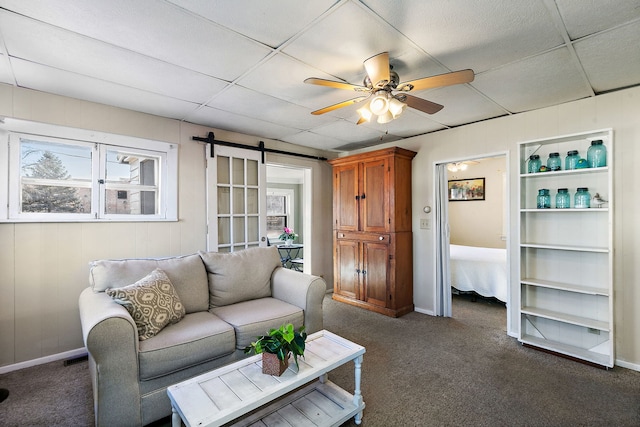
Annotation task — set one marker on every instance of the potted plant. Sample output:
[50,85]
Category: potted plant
[287,235]
[276,347]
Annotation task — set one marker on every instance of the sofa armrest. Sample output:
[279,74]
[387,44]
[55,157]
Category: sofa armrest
[302,290]
[111,338]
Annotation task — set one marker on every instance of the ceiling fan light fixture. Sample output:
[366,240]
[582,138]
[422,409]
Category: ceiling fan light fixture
[385,118]
[396,107]
[365,113]
[379,103]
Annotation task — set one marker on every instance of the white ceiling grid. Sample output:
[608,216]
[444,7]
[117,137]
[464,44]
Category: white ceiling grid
[239,65]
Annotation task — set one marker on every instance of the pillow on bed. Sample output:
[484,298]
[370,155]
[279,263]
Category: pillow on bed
[152,302]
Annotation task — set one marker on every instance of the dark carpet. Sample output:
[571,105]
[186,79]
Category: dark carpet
[418,370]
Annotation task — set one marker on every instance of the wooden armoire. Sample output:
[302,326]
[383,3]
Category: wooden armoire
[372,238]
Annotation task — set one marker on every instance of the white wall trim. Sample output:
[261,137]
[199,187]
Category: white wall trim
[628,365]
[79,352]
[424,311]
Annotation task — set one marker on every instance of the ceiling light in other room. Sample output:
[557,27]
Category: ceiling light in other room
[365,113]
[385,118]
[457,166]
[396,107]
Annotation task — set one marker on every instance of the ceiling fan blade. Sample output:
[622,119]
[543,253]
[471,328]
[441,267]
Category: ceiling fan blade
[337,85]
[378,69]
[422,104]
[339,105]
[447,79]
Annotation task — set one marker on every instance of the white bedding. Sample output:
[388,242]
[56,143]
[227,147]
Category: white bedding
[483,270]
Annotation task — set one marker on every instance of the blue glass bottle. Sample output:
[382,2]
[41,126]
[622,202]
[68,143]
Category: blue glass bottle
[554,163]
[571,160]
[544,199]
[597,154]
[563,200]
[582,198]
[534,163]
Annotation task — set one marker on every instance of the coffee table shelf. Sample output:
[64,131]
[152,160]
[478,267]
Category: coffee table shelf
[232,391]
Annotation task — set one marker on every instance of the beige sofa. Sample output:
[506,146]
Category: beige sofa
[227,299]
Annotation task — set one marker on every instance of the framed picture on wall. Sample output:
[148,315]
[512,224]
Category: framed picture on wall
[463,190]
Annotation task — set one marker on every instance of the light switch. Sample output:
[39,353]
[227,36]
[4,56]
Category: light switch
[425,223]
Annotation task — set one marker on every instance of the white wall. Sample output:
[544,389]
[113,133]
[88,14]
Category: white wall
[618,110]
[480,222]
[44,267]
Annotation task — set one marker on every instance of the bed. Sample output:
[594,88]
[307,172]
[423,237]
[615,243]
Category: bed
[479,270]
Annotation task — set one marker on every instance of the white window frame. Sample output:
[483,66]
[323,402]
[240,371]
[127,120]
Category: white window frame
[289,200]
[11,130]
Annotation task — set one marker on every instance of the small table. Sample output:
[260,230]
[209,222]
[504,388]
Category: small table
[290,254]
[227,393]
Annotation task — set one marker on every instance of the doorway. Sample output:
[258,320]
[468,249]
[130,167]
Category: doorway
[472,229]
[289,187]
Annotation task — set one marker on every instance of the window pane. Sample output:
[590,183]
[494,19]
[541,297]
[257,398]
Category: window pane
[276,205]
[275,224]
[54,177]
[224,231]
[252,201]
[252,229]
[131,184]
[238,201]
[224,202]
[252,172]
[238,171]
[223,170]
[238,230]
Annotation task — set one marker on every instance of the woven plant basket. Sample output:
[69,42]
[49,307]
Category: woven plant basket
[271,365]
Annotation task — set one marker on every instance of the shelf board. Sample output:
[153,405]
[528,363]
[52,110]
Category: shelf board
[569,350]
[564,172]
[573,210]
[565,287]
[565,247]
[566,318]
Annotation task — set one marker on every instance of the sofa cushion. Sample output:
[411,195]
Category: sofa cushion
[240,276]
[152,302]
[187,273]
[199,337]
[254,318]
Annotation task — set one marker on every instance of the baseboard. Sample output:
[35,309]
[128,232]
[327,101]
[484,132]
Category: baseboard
[42,360]
[628,365]
[423,311]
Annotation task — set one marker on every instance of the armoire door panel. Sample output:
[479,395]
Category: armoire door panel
[375,260]
[348,262]
[373,197]
[346,204]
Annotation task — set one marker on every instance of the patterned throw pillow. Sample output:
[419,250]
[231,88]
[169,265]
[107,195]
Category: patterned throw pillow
[152,302]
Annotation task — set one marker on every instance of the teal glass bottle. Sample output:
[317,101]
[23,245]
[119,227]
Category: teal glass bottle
[544,199]
[597,154]
[563,200]
[554,163]
[582,198]
[534,163]
[571,160]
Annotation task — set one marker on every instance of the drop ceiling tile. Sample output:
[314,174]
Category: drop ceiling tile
[314,140]
[582,19]
[46,79]
[157,29]
[270,22]
[79,54]
[537,82]
[250,103]
[347,131]
[462,104]
[237,123]
[342,40]
[478,35]
[608,63]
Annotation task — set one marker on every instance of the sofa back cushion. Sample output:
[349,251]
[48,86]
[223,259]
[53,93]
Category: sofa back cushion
[187,273]
[240,276]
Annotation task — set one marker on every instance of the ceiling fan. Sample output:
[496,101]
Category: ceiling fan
[379,85]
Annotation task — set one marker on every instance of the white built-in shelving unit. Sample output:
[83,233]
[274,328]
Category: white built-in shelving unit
[566,255]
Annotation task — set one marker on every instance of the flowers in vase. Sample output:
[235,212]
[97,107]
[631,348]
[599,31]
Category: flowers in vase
[287,234]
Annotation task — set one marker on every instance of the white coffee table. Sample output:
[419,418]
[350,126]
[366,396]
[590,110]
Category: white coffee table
[227,393]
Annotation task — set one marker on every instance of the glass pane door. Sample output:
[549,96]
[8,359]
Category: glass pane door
[235,193]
